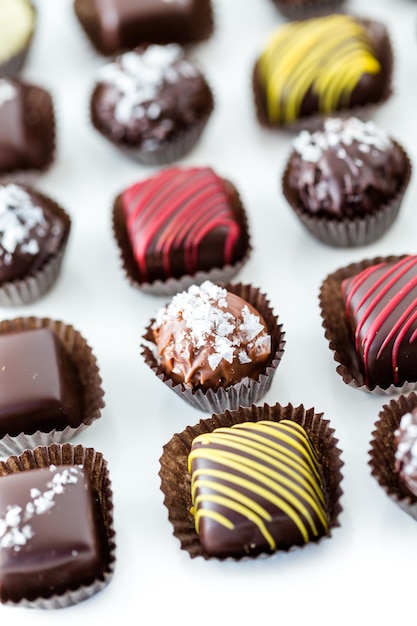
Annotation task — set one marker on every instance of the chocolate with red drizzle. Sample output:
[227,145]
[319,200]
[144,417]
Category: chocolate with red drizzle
[381,310]
[181,221]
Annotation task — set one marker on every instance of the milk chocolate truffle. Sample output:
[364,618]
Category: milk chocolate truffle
[216,346]
[57,544]
[256,487]
[406,450]
[178,223]
[346,181]
[209,338]
[152,103]
[315,67]
[27,127]
[34,232]
[17,27]
[122,24]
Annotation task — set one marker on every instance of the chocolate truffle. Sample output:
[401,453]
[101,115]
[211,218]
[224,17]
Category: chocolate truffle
[179,222]
[39,385]
[256,487]
[27,127]
[152,103]
[301,9]
[52,533]
[314,67]
[381,313]
[406,450]
[17,27]
[207,338]
[346,181]
[122,24]
[33,230]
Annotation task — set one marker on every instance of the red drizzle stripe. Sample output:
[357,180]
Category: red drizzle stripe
[178,207]
[386,286]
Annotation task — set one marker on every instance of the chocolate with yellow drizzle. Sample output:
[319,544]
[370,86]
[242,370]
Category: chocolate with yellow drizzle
[256,488]
[321,65]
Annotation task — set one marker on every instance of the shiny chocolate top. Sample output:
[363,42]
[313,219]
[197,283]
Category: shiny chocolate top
[256,487]
[208,338]
[149,95]
[40,388]
[406,450]
[381,312]
[31,231]
[114,26]
[27,127]
[348,169]
[51,533]
[183,220]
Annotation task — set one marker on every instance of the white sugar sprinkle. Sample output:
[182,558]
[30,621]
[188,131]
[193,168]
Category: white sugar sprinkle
[138,77]
[338,133]
[209,324]
[14,529]
[18,216]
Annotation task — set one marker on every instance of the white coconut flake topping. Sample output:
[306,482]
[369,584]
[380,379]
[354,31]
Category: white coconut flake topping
[407,448]
[15,528]
[18,217]
[208,324]
[339,133]
[138,77]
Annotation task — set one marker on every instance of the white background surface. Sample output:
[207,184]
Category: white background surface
[366,570]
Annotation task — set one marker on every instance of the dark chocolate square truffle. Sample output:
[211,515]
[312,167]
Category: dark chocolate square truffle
[39,385]
[315,67]
[122,24]
[27,127]
[52,536]
[256,487]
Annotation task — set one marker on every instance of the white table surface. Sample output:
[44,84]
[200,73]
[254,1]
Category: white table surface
[365,571]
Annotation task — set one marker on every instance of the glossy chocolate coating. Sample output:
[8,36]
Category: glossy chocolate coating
[370,89]
[117,25]
[347,169]
[181,221]
[167,98]
[27,127]
[39,385]
[381,311]
[209,338]
[256,487]
[53,537]
[32,230]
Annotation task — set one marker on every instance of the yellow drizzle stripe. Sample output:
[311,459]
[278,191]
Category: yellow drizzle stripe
[299,473]
[240,467]
[313,54]
[236,506]
[275,482]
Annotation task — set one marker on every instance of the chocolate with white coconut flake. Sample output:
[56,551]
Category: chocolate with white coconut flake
[31,231]
[406,450]
[348,168]
[208,338]
[152,102]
